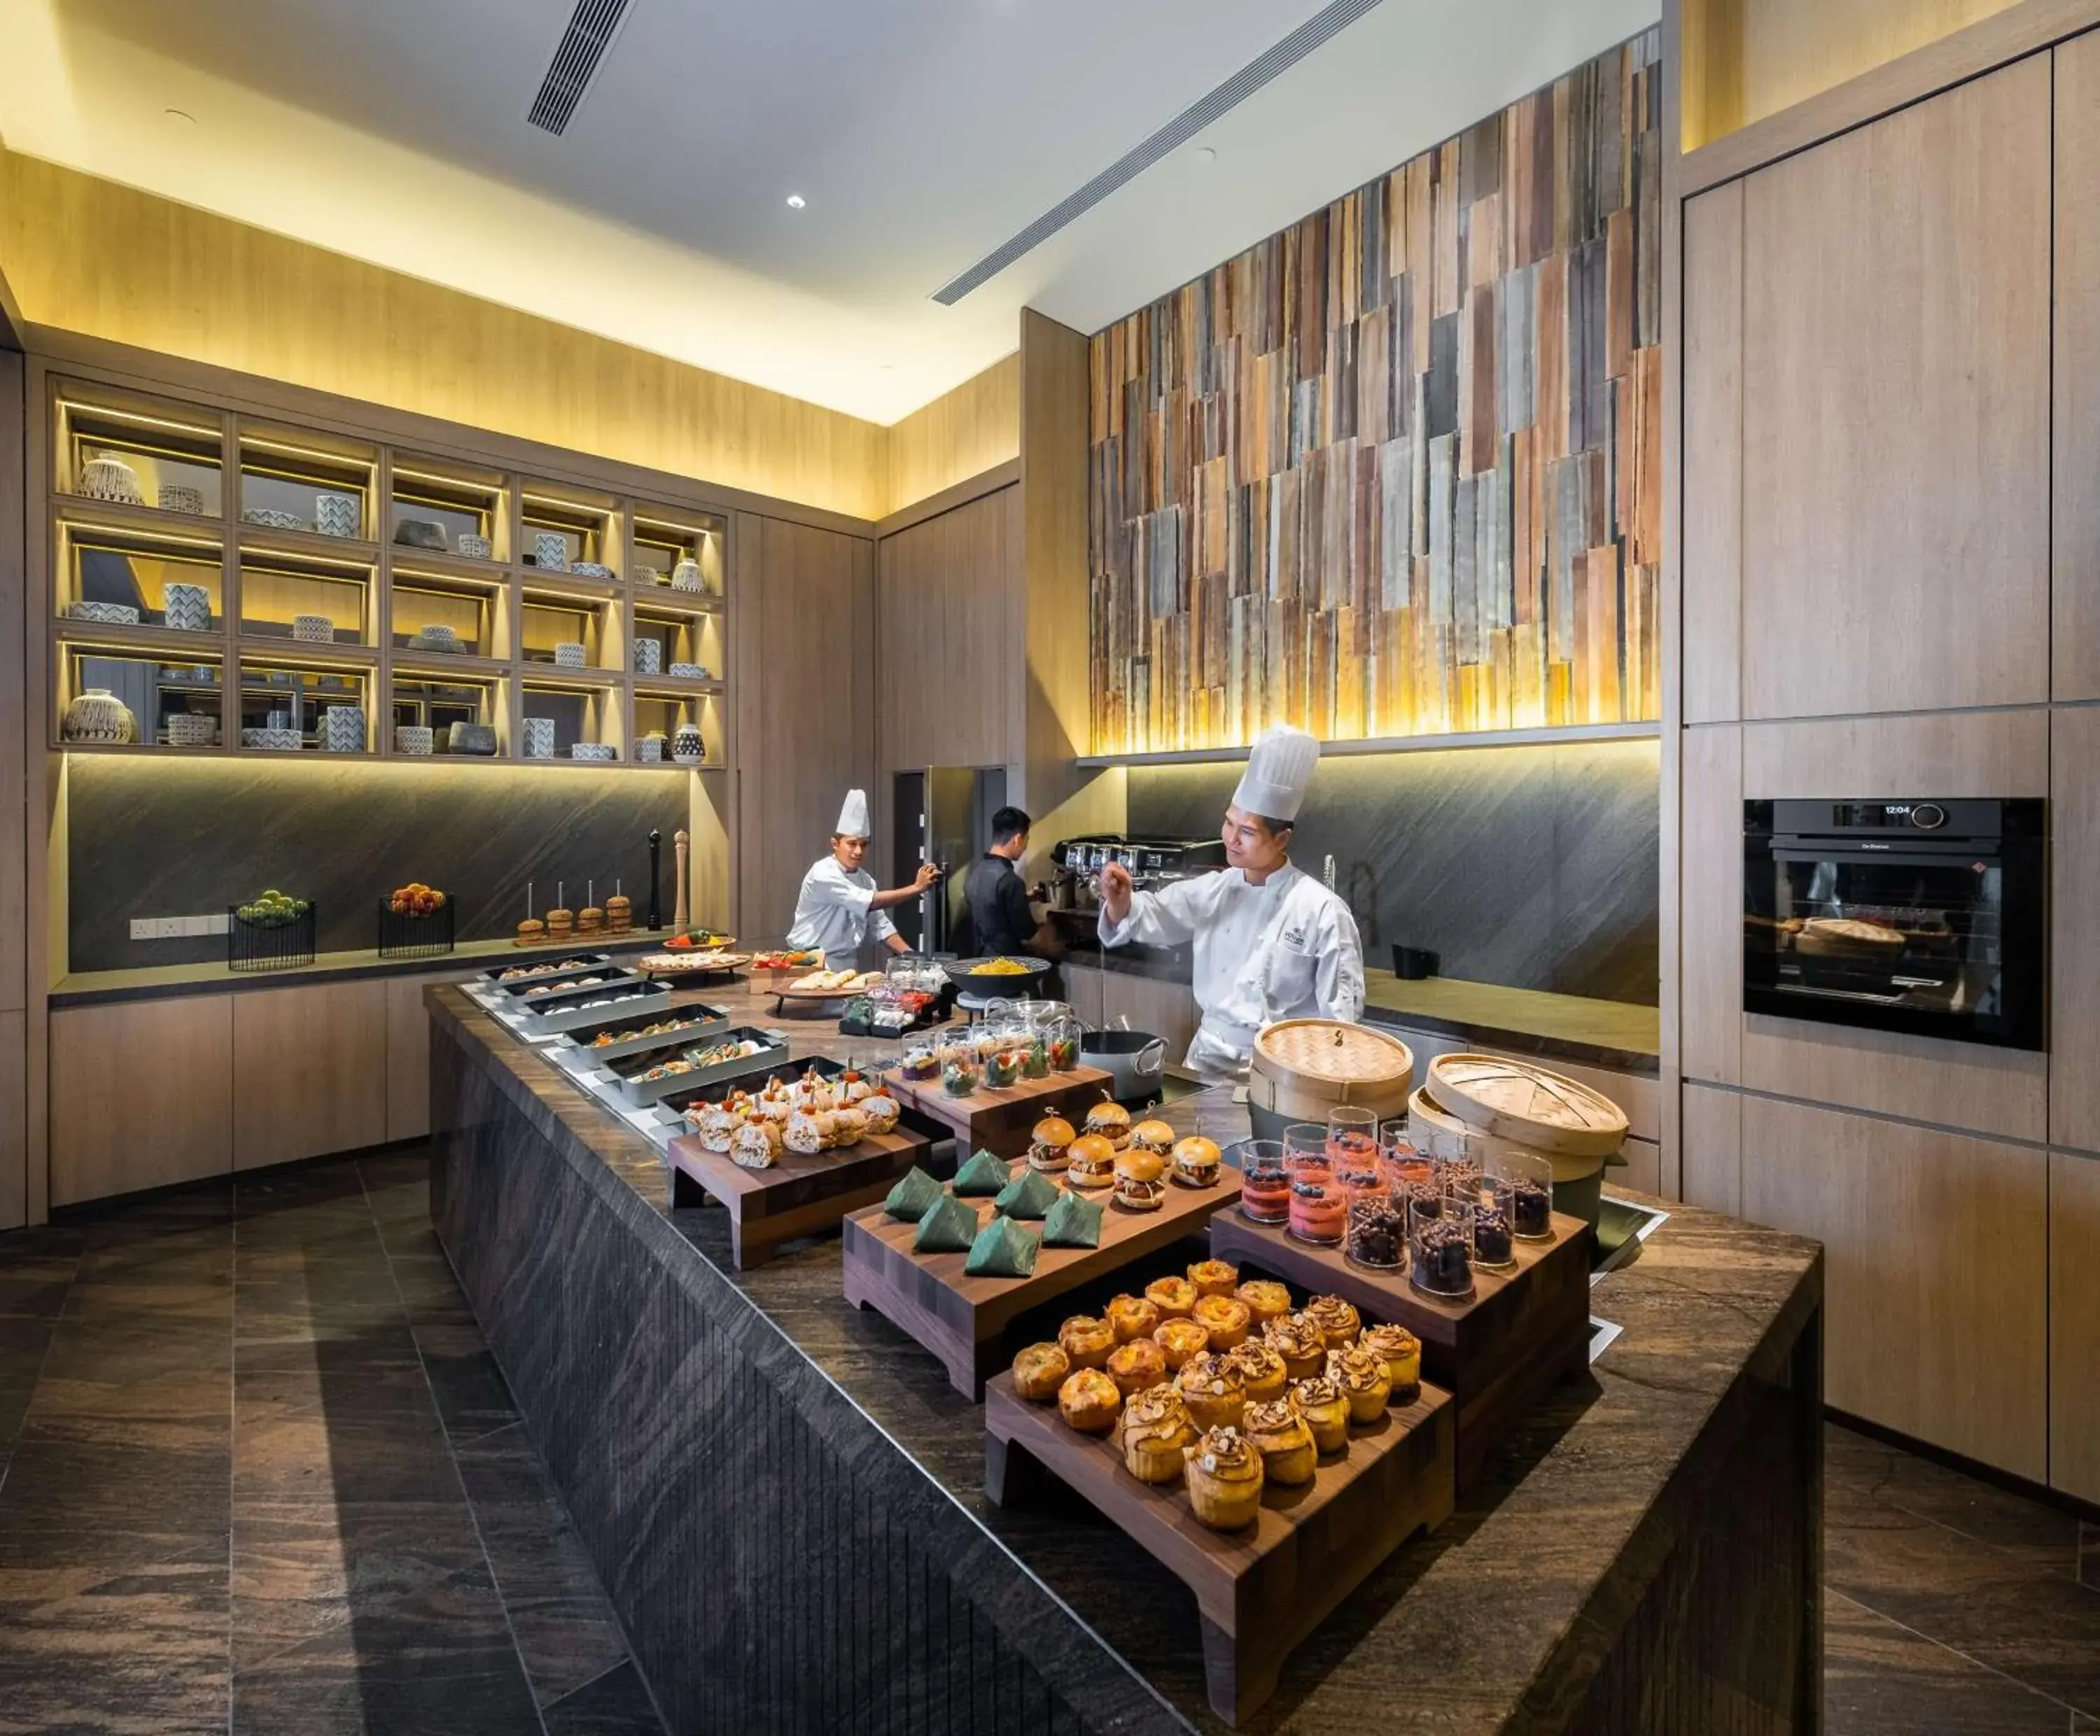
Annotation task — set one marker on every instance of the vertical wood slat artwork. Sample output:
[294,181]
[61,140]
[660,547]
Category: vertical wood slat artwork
[1396,471]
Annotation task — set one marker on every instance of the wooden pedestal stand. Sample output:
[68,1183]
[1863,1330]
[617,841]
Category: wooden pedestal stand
[1000,1120]
[798,1195]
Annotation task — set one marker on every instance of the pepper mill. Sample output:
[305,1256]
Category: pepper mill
[682,915]
[656,860]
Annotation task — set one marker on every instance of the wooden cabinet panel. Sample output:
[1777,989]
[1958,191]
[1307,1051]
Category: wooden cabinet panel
[1713,547]
[947,627]
[14,812]
[2074,1084]
[1713,1154]
[806,707]
[1971,753]
[14,1120]
[309,1071]
[1166,1009]
[409,1055]
[1962,1084]
[1895,410]
[1083,990]
[2074,1324]
[1710,950]
[1936,1316]
[173,1120]
[2075,590]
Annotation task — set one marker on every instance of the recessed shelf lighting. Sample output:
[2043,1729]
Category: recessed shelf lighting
[796,202]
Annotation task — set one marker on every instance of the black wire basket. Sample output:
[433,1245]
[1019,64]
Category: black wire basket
[275,944]
[405,936]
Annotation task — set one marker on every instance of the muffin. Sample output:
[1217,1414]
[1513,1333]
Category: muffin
[1180,1340]
[1402,1352]
[1279,1434]
[1213,1388]
[1156,1427]
[1337,1321]
[1214,1276]
[1298,1340]
[1039,1371]
[1137,1366]
[1326,1408]
[1174,1297]
[1266,1299]
[1226,1318]
[1223,1474]
[1363,1381]
[1087,1340]
[1132,1317]
[1090,1401]
[1262,1370]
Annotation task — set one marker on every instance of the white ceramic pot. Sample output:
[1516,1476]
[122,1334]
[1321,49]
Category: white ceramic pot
[99,715]
[687,748]
[568,655]
[686,576]
[338,514]
[103,614]
[313,629]
[550,551]
[591,569]
[648,656]
[177,496]
[186,608]
[437,634]
[689,671]
[473,547]
[271,520]
[539,737]
[191,729]
[109,479]
[412,738]
[593,750]
[649,751]
[344,729]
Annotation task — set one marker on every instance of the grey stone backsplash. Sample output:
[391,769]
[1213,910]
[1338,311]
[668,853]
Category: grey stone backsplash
[1534,867]
[168,837]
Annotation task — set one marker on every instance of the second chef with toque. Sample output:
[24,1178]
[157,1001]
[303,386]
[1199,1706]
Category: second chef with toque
[839,906]
[1270,942]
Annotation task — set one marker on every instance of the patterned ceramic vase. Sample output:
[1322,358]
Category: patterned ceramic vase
[186,608]
[687,749]
[648,656]
[111,478]
[191,729]
[99,715]
[539,737]
[649,751]
[344,729]
[473,547]
[313,629]
[593,750]
[686,576]
[550,551]
[569,655]
[337,514]
[177,496]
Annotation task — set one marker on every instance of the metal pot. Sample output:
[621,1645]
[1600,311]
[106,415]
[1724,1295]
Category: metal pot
[1134,1062]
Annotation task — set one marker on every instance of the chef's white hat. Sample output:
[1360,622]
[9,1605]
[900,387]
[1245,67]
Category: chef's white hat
[852,817]
[1279,771]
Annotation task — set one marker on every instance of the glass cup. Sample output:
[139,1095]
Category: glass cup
[1006,1057]
[1493,1245]
[1319,1204]
[1264,1182]
[1529,1180]
[922,1059]
[1377,1234]
[961,1070]
[1353,1146]
[1064,1033]
[1440,1245]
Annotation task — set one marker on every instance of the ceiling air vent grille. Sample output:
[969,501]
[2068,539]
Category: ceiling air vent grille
[591,30]
[1322,27]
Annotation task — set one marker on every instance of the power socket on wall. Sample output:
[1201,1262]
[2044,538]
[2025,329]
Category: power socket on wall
[177,928]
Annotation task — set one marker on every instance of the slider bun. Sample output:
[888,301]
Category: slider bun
[1091,1148]
[1054,1130]
[1196,1149]
[1138,1166]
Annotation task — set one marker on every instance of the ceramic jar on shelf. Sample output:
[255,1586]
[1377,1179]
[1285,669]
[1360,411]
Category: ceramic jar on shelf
[550,551]
[109,478]
[191,729]
[687,749]
[412,739]
[569,655]
[472,546]
[186,608]
[539,737]
[649,750]
[313,629]
[338,514]
[344,729]
[648,656]
[97,715]
[177,496]
[686,576]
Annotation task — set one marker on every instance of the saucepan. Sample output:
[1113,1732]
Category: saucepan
[1134,1062]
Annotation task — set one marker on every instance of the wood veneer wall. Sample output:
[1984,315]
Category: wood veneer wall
[962,433]
[1396,470]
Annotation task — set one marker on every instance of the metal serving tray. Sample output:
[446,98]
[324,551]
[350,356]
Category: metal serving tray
[639,999]
[554,987]
[640,1093]
[574,960]
[576,1044]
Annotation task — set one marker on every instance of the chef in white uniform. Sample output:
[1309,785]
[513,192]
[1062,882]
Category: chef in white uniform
[1271,942]
[840,906]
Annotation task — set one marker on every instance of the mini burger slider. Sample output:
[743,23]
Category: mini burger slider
[1155,1136]
[1048,1144]
[1091,1162]
[1111,1120]
[1138,1187]
[1196,1161]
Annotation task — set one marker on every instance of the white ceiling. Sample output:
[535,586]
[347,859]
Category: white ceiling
[923,133]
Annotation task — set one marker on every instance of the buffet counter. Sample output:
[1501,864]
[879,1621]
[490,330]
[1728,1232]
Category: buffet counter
[785,1498]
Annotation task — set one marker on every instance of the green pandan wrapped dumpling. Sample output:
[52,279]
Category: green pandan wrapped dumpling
[1003,1249]
[948,1229]
[913,1196]
[1030,1194]
[1072,1222]
[983,1175]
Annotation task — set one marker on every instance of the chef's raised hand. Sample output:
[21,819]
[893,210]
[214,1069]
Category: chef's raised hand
[1115,890]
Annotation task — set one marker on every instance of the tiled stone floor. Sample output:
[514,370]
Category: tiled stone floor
[258,1472]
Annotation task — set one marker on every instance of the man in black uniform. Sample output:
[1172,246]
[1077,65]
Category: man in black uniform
[1000,911]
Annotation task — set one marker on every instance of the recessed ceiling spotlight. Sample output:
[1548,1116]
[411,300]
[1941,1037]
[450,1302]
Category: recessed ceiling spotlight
[796,202]
[180,117]
[1204,154]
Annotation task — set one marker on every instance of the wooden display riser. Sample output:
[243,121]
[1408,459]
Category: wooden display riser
[1499,1351]
[1260,1591]
[1002,1121]
[963,1320]
[798,1195]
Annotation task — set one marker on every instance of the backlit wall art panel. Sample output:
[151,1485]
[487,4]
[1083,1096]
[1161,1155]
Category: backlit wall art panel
[1397,471]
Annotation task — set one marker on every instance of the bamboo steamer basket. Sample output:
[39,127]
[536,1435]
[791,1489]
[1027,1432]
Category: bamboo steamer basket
[1577,1182]
[1527,1105]
[1303,1067]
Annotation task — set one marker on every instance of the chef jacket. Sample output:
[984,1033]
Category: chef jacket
[1288,948]
[835,913]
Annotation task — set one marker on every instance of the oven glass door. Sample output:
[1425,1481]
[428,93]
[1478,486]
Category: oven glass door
[1944,940]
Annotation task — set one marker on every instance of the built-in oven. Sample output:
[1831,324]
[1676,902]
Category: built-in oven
[1928,917]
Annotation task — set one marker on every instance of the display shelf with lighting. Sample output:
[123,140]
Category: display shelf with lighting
[661,709]
[579,708]
[549,619]
[691,640]
[662,539]
[149,689]
[173,454]
[588,526]
[104,564]
[283,595]
[303,482]
[426,606]
[422,698]
[284,695]
[448,510]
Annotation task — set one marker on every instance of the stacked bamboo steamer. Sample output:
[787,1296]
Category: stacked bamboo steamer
[1513,1104]
[1304,1067]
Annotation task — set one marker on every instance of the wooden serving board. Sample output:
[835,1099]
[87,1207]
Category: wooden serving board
[1001,1121]
[1499,1351]
[962,1320]
[1262,1590]
[798,1195]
